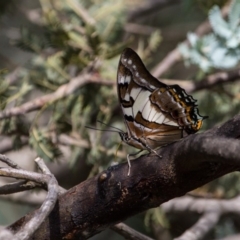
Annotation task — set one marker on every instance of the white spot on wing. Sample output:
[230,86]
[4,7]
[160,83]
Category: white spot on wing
[153,115]
[170,122]
[140,101]
[129,61]
[127,97]
[134,93]
[127,111]
[146,110]
[121,80]
[160,118]
[127,79]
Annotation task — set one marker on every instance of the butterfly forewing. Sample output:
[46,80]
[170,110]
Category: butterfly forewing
[155,114]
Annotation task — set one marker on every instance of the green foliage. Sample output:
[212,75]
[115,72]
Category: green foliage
[156,215]
[205,5]
[4,91]
[71,37]
[43,145]
[220,49]
[16,127]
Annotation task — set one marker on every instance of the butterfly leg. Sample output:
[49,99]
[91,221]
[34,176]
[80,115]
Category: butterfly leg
[156,153]
[129,163]
[144,142]
[153,151]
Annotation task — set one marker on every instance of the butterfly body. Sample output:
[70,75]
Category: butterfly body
[155,114]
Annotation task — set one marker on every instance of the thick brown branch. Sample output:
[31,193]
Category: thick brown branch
[112,196]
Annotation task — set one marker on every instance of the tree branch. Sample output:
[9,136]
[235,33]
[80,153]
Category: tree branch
[18,187]
[61,92]
[32,224]
[150,7]
[211,210]
[128,232]
[112,196]
[214,79]
[201,227]
[202,205]
[7,144]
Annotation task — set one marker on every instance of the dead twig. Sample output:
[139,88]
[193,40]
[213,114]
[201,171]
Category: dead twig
[129,233]
[201,227]
[44,179]
[61,92]
[211,210]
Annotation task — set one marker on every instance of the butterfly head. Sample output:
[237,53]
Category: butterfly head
[196,121]
[124,136]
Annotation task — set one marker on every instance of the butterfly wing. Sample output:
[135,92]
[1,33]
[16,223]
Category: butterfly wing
[147,125]
[155,114]
[130,64]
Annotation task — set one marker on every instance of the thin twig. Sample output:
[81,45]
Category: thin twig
[29,198]
[150,7]
[201,205]
[33,224]
[25,184]
[211,210]
[7,144]
[83,13]
[43,167]
[139,29]
[129,233]
[213,80]
[45,179]
[23,174]
[19,187]
[60,93]
[201,227]
[8,161]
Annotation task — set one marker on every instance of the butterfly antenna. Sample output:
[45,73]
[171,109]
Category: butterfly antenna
[102,130]
[109,126]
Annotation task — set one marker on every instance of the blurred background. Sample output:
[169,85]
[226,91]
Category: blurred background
[45,44]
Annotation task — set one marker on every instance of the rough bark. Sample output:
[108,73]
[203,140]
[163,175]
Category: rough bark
[112,196]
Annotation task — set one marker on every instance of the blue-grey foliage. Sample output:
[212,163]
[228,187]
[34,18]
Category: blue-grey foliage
[219,49]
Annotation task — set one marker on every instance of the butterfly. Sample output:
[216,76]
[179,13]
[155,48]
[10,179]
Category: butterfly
[155,114]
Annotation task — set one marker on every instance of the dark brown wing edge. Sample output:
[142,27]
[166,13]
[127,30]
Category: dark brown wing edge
[141,76]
